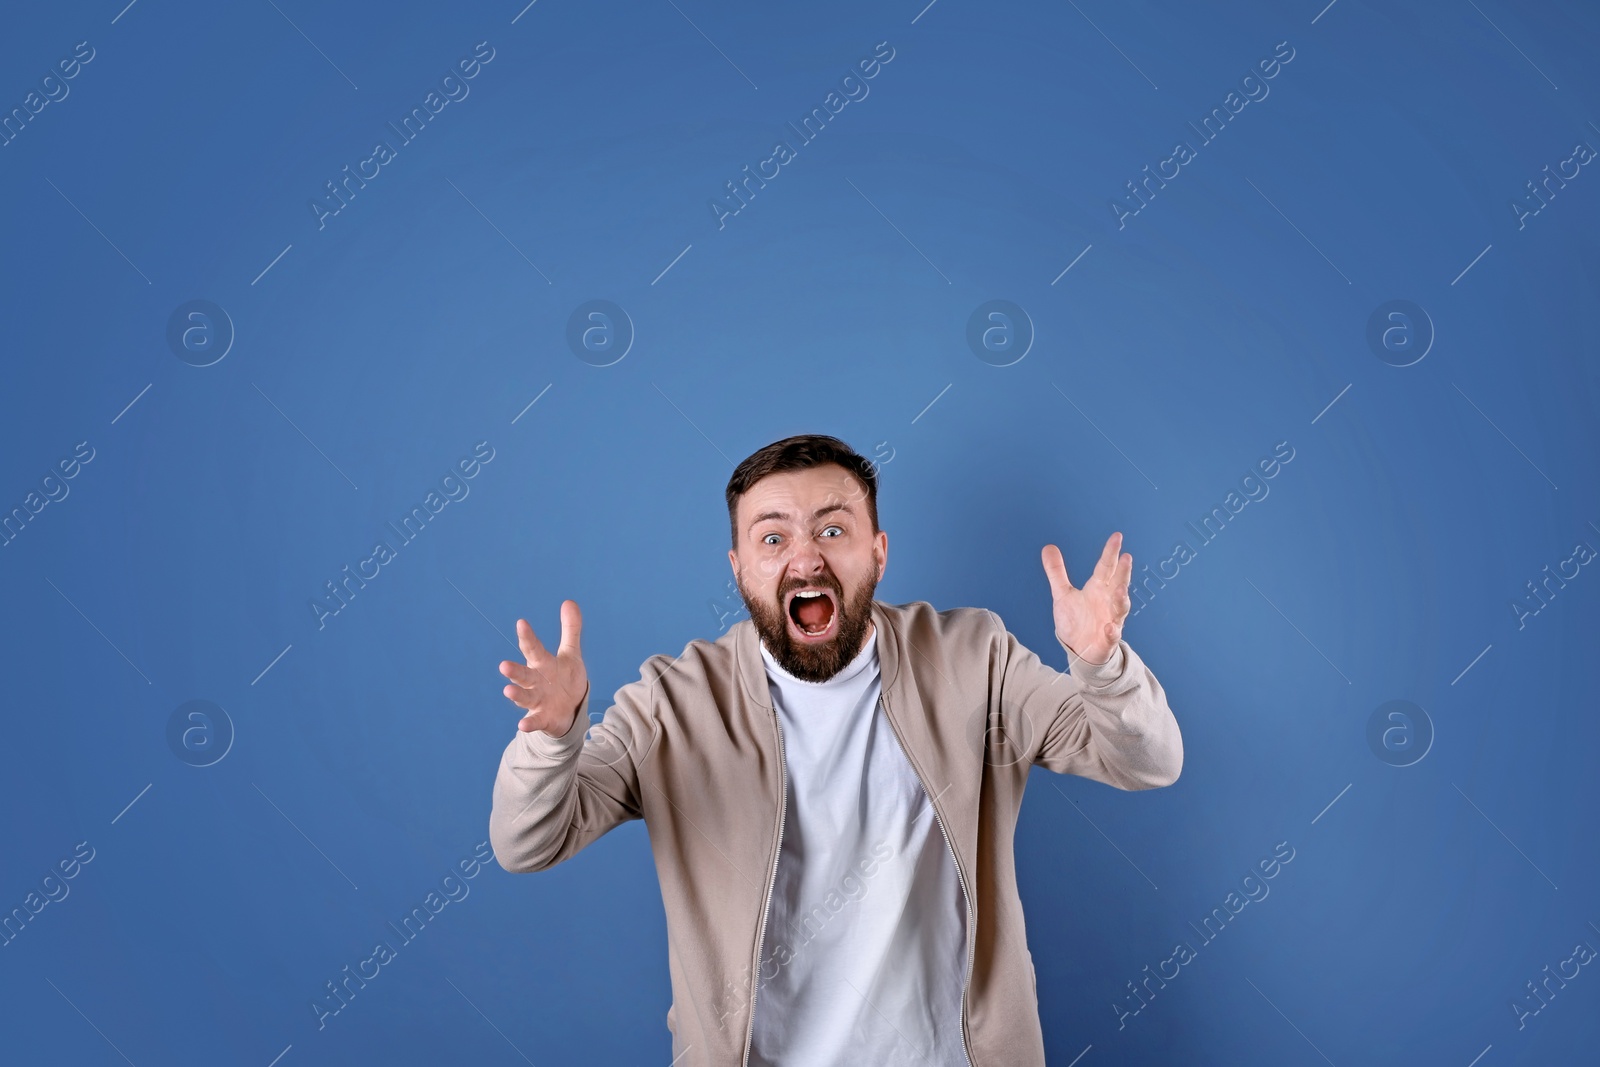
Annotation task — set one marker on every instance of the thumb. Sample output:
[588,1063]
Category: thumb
[1055,569]
[571,628]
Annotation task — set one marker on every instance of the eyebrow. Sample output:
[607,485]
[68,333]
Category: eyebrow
[824,510]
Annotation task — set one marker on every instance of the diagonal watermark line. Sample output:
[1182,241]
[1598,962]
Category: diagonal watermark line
[499,231]
[90,1021]
[1080,1055]
[537,793]
[271,665]
[101,632]
[1332,402]
[131,803]
[486,618]
[933,667]
[1299,631]
[132,402]
[686,1048]
[1324,11]
[1474,263]
[524,11]
[654,681]
[1102,433]
[302,433]
[274,263]
[868,1001]
[1301,232]
[932,402]
[1113,44]
[1469,666]
[1069,266]
[1288,1020]
[1480,1055]
[490,1021]
[530,403]
[1502,833]
[1513,44]
[924,11]
[899,231]
[102,233]
[280,1056]
[713,44]
[709,839]
[1102,833]
[302,833]
[1502,433]
[313,44]
[674,263]
[691,422]
[1331,803]
[124,11]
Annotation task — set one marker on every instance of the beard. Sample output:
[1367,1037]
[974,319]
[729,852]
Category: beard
[815,662]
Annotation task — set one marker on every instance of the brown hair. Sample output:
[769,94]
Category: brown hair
[800,452]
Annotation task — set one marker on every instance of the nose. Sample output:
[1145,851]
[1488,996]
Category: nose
[807,563]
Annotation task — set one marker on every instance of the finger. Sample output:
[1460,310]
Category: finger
[571,629]
[524,677]
[1055,569]
[1124,572]
[532,647]
[525,699]
[534,721]
[1107,562]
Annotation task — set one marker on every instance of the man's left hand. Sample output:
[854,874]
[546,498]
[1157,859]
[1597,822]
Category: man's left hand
[1089,620]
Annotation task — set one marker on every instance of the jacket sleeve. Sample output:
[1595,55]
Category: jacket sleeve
[555,795]
[1110,722]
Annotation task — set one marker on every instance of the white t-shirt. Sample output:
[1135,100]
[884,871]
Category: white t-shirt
[865,944]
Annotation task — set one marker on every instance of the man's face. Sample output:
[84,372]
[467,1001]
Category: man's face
[808,531]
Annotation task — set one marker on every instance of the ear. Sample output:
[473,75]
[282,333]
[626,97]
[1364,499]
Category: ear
[883,552]
[733,561]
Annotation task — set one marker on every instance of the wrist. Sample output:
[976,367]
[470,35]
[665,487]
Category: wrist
[1101,673]
[1095,652]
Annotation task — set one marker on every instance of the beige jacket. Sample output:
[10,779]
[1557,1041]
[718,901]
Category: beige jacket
[693,748]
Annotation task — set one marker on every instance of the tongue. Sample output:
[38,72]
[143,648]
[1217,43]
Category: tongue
[814,614]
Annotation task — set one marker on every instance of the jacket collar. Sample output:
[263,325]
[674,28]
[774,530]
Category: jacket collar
[752,671]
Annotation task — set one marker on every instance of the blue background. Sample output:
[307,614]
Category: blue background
[371,353]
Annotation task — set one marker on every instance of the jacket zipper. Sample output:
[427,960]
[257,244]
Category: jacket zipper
[966,898]
[772,878]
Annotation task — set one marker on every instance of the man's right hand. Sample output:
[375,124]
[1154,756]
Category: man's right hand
[549,687]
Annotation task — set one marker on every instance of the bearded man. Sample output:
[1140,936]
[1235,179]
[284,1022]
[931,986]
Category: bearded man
[832,786]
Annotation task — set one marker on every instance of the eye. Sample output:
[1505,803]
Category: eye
[839,528]
[765,538]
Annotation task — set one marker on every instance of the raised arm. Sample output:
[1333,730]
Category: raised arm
[555,792]
[1109,719]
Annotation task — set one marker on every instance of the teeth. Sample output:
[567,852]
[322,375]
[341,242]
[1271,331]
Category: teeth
[808,593]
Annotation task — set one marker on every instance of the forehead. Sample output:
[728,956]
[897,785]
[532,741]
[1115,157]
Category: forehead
[799,493]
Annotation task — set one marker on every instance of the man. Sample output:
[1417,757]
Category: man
[831,786]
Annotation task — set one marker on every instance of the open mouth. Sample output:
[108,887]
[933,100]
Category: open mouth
[813,613]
